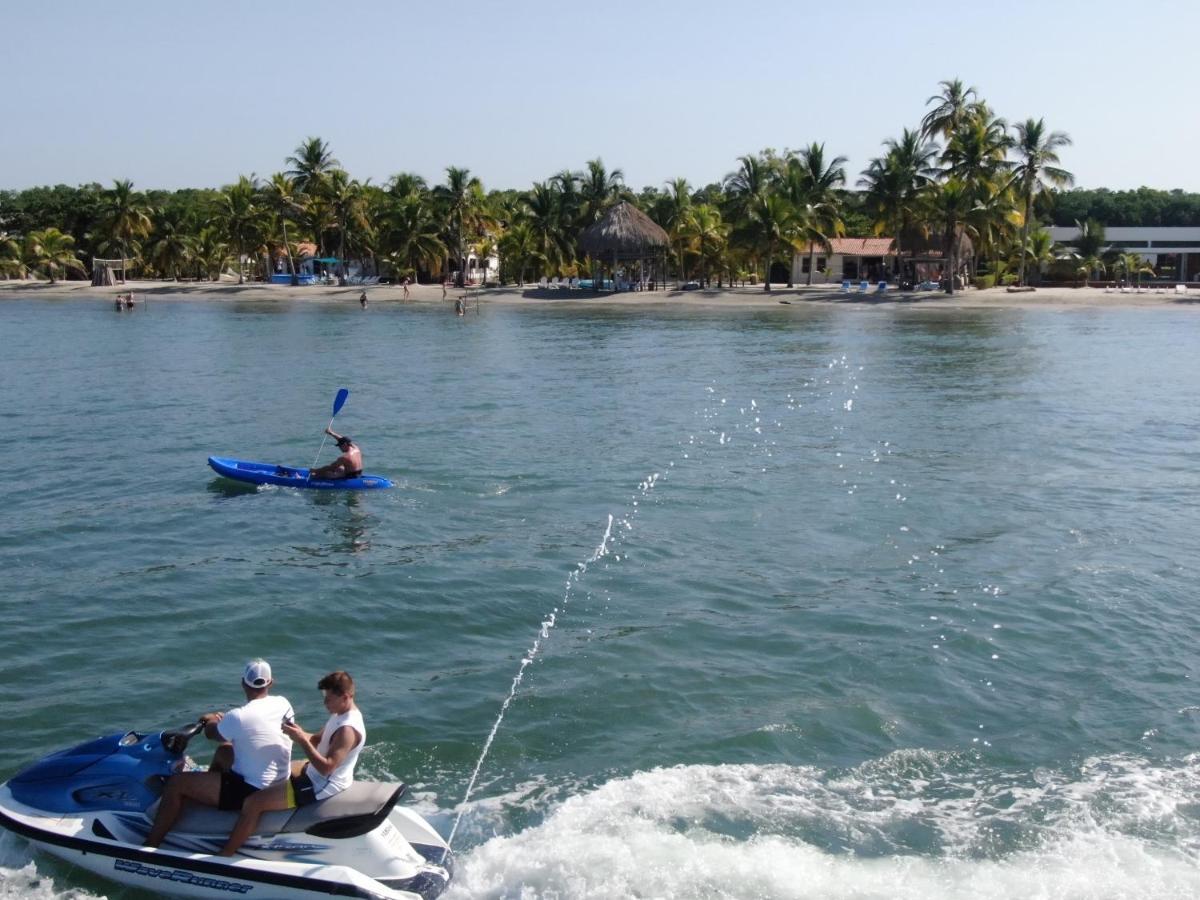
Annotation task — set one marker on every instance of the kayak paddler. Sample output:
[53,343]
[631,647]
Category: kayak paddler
[348,465]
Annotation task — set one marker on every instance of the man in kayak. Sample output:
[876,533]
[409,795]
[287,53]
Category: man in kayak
[348,465]
[254,754]
[332,754]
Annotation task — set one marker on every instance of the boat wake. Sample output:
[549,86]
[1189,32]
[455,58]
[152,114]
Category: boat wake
[913,824]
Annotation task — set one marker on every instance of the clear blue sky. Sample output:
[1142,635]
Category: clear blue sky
[192,94]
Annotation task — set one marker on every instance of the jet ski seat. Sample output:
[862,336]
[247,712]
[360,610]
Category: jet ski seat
[358,809]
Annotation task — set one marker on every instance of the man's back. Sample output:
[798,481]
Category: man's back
[261,751]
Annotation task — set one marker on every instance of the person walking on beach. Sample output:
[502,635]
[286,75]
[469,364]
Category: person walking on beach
[332,754]
[443,289]
[254,754]
[404,284]
[348,465]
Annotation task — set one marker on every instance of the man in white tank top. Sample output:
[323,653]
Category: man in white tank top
[254,754]
[332,755]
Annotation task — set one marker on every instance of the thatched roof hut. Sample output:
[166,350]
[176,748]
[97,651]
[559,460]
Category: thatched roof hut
[624,232]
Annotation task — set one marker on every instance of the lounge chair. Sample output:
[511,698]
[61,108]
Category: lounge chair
[1181,288]
[846,286]
[864,286]
[1108,289]
[881,287]
[542,282]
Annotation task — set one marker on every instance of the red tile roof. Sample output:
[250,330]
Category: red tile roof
[855,246]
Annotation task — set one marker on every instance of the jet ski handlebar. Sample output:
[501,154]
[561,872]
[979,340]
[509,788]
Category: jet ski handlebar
[177,741]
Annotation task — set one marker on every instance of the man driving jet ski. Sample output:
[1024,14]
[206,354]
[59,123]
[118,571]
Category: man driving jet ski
[254,754]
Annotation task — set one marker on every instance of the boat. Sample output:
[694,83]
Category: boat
[93,805]
[287,476]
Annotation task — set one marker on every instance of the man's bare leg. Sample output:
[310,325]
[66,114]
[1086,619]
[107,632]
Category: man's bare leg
[198,787]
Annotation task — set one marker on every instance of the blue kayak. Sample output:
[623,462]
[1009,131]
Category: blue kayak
[285,476]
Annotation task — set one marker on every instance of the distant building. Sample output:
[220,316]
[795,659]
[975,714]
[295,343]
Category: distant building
[1173,252]
[853,258]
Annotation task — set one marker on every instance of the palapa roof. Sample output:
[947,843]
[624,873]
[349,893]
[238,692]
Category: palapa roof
[626,230]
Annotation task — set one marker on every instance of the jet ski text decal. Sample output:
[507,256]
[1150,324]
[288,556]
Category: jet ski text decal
[136,868]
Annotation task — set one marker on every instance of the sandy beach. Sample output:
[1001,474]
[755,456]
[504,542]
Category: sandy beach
[736,297]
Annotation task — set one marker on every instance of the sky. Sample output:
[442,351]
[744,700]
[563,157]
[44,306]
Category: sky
[194,94]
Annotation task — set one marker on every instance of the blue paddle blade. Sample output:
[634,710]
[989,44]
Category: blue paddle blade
[340,400]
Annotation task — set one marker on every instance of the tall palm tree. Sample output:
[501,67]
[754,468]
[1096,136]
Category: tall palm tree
[676,205]
[811,185]
[599,189]
[52,251]
[211,252]
[954,104]
[896,185]
[1037,168]
[462,201]
[311,164]
[124,220]
[542,210]
[241,217]
[281,197]
[345,198]
[952,202]
[772,224]
[411,234]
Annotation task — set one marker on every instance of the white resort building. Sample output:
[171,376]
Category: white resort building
[1173,252]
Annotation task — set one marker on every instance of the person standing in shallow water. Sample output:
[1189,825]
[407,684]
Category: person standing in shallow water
[362,299]
[459,308]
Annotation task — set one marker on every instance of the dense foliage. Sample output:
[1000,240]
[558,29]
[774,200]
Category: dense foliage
[961,173]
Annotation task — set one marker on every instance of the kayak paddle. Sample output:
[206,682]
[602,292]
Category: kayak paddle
[338,402]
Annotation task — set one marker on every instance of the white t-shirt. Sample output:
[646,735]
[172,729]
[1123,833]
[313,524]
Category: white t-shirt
[261,751]
[341,777]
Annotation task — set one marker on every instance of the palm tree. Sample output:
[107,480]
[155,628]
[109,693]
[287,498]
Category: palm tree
[52,251]
[896,185]
[171,243]
[124,219]
[241,217]
[542,209]
[811,185]
[954,104]
[345,198]
[599,189]
[771,224]
[1037,168]
[311,165]
[11,263]
[676,207]
[462,200]
[952,202]
[518,248]
[283,199]
[410,232]
[211,252]
[706,236]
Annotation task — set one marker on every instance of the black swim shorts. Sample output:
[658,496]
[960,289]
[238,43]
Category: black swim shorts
[234,791]
[300,790]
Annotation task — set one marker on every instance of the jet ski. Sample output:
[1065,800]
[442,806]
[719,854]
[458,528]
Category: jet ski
[92,805]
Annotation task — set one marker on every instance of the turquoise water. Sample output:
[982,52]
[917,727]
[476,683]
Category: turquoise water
[891,602]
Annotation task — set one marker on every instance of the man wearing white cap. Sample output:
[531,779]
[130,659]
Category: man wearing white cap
[254,754]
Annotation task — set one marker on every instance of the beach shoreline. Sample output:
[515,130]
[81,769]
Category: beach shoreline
[728,297]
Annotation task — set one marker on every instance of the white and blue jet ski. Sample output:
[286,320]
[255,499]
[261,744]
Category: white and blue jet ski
[93,805]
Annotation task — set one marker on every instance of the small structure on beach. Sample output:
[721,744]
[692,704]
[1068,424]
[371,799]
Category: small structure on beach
[854,258]
[626,235]
[106,272]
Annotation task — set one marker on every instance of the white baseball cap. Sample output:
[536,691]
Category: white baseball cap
[257,674]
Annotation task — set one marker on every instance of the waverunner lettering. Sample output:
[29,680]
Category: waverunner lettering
[178,875]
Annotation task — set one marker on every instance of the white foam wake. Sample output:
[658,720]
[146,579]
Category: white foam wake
[1115,828]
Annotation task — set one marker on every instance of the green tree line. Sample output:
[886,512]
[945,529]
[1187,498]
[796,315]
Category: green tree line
[961,171]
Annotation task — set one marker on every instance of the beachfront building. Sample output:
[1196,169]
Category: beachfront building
[1174,253]
[482,269]
[921,260]
[847,258]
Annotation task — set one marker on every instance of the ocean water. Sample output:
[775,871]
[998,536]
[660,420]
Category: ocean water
[807,602]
